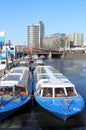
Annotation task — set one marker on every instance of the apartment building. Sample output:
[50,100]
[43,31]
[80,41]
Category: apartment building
[76,39]
[35,33]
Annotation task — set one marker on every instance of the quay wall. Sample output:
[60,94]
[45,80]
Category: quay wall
[73,55]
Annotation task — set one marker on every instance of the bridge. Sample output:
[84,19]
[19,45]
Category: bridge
[58,54]
[47,53]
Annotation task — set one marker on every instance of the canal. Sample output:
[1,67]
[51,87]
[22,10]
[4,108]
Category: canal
[33,117]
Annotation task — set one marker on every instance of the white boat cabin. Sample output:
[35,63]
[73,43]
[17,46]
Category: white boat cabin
[51,83]
[15,82]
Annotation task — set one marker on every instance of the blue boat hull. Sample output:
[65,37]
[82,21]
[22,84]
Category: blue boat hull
[58,106]
[10,107]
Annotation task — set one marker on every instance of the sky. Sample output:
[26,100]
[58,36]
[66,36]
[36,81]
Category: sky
[58,16]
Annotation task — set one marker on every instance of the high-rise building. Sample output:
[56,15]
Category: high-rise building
[76,39]
[35,33]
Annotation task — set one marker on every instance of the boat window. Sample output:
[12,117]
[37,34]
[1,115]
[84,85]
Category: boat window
[19,90]
[3,62]
[70,91]
[12,48]
[59,92]
[1,91]
[47,92]
[6,91]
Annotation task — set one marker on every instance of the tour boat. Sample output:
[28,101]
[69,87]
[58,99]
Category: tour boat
[56,93]
[14,91]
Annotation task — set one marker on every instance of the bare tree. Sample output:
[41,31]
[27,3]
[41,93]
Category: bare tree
[64,44]
[56,43]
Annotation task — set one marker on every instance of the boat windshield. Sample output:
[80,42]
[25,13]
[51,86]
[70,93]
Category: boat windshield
[16,91]
[47,92]
[59,92]
[70,91]
[20,91]
[6,91]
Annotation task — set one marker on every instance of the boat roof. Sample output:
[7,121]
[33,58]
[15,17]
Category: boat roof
[52,78]
[8,83]
[46,69]
[51,83]
[20,67]
[13,77]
